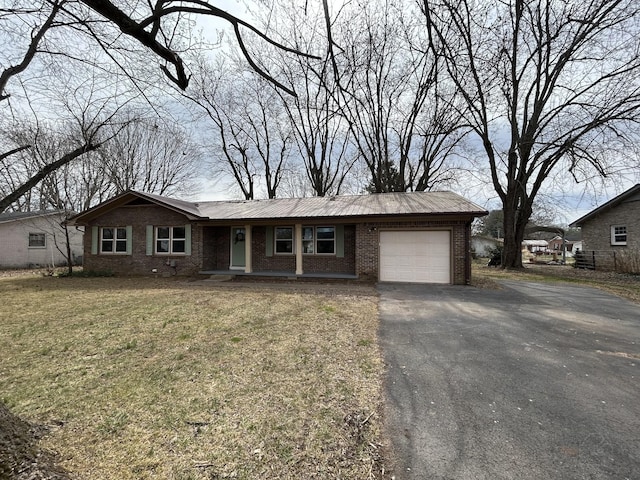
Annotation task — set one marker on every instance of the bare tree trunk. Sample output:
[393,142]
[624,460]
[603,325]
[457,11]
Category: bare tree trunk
[68,253]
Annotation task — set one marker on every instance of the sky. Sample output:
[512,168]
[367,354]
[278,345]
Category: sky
[571,204]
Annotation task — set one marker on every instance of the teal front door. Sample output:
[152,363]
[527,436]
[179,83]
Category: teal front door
[237,248]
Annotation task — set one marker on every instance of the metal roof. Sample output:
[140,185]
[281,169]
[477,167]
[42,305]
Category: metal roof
[383,204]
[15,216]
[373,205]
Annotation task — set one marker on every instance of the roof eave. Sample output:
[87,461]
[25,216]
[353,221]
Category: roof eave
[606,206]
[85,217]
[342,218]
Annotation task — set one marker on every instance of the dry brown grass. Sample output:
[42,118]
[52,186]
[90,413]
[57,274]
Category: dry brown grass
[142,378]
[624,285]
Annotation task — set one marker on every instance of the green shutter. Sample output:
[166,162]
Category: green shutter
[129,239]
[340,241]
[269,242]
[187,239]
[94,240]
[149,239]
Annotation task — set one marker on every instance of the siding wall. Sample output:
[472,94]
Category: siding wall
[14,243]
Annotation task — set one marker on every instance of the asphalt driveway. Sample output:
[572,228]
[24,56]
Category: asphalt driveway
[532,381]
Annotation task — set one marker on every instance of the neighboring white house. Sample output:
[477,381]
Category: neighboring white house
[36,239]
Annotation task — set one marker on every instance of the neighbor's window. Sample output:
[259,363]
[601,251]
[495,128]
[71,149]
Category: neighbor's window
[319,240]
[284,239]
[113,240]
[171,240]
[37,240]
[619,235]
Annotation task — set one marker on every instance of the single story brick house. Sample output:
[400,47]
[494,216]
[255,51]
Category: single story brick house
[611,231]
[419,237]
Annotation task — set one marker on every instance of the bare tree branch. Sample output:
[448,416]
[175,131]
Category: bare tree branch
[137,30]
[43,172]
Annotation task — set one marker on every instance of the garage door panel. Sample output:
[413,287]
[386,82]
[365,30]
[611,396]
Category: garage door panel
[415,256]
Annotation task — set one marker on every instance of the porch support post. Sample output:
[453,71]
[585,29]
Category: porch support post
[247,249]
[298,248]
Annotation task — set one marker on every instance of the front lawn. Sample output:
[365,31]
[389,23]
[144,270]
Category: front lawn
[159,378]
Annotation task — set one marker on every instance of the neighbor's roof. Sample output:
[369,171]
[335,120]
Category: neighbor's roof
[607,206]
[17,216]
[374,205]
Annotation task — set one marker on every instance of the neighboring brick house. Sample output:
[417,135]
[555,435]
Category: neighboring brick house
[407,237]
[611,232]
[37,239]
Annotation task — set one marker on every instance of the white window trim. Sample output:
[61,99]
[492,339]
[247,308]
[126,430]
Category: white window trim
[170,239]
[37,246]
[276,240]
[613,235]
[115,239]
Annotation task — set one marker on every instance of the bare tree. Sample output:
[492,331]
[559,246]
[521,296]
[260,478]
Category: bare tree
[150,156]
[550,88]
[154,27]
[320,131]
[397,106]
[19,177]
[69,30]
[253,136]
[230,145]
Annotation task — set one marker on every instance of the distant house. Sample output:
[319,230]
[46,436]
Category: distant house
[535,246]
[418,237]
[611,232]
[558,243]
[36,239]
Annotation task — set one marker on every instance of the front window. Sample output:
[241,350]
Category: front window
[319,240]
[284,239]
[326,240]
[113,240]
[37,240]
[171,240]
[619,235]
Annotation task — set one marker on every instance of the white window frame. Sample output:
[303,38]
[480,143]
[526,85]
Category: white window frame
[114,241]
[277,240]
[171,239]
[40,235]
[617,234]
[310,240]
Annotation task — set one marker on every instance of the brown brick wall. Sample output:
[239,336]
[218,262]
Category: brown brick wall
[216,248]
[139,263]
[217,251]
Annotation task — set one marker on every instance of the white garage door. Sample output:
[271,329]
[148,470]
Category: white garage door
[415,256]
